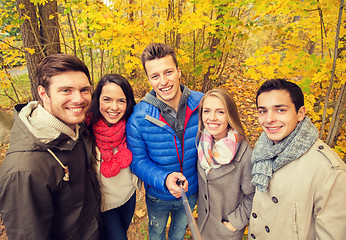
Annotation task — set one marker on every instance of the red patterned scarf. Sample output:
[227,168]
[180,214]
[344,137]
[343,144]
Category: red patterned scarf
[108,138]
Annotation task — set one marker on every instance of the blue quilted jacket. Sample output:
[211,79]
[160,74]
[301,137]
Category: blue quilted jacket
[157,151]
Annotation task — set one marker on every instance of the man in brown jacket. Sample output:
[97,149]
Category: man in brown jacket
[47,187]
[300,181]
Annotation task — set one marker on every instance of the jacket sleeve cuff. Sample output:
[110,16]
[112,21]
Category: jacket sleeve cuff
[160,182]
[236,220]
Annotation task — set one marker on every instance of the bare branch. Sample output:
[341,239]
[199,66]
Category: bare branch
[333,68]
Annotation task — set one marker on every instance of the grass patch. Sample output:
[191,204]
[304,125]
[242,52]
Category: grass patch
[17,90]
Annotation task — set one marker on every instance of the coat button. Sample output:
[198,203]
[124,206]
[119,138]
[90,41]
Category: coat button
[267,229]
[206,211]
[205,196]
[275,200]
[320,147]
[253,236]
[254,215]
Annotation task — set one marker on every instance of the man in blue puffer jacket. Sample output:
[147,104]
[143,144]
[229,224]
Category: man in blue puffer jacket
[161,134]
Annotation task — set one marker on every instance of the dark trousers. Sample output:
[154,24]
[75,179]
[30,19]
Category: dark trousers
[116,222]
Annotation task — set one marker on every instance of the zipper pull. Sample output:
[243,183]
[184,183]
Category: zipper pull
[66,178]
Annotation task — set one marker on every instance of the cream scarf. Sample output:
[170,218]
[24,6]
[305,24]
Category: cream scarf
[214,155]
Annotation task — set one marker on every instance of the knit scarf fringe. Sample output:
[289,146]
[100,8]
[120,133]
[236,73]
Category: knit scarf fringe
[221,153]
[107,138]
[268,157]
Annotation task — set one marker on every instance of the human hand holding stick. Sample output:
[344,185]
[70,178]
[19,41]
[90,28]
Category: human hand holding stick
[172,185]
[196,235]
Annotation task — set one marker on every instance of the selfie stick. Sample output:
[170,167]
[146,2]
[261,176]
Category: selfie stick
[190,219]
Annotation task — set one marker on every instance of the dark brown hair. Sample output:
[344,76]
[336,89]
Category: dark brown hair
[157,50]
[123,84]
[56,64]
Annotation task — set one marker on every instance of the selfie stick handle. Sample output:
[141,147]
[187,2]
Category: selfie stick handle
[196,235]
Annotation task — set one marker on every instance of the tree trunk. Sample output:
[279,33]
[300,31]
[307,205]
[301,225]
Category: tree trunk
[77,36]
[180,13]
[134,73]
[333,68]
[30,36]
[91,56]
[40,35]
[69,14]
[336,119]
[215,41]
[49,27]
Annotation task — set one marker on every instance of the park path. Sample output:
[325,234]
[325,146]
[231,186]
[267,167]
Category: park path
[17,71]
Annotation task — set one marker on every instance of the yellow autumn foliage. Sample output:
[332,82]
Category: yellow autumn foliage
[255,40]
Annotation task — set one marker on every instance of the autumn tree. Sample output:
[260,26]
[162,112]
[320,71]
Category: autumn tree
[40,34]
[305,48]
[235,44]
[11,52]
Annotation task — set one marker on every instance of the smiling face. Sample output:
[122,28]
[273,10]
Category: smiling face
[112,103]
[68,97]
[214,117]
[277,114]
[164,77]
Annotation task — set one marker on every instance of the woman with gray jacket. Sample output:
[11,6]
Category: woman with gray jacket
[224,169]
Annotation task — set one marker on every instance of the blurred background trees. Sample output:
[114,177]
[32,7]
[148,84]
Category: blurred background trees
[235,44]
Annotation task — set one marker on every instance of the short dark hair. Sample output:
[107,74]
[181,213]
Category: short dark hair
[125,86]
[157,50]
[293,89]
[56,64]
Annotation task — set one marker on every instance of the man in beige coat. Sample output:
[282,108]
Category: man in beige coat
[300,181]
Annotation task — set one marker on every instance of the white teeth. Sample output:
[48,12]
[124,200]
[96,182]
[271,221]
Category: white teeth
[213,125]
[75,109]
[113,114]
[165,89]
[273,128]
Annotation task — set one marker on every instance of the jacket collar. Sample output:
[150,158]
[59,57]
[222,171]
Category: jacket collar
[155,104]
[42,124]
[27,133]
[192,100]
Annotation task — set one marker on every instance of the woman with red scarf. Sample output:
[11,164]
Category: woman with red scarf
[112,105]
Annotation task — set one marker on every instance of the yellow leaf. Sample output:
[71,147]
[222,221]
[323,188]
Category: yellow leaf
[140,213]
[250,61]
[267,49]
[169,221]
[30,50]
[330,111]
[274,58]
[246,231]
